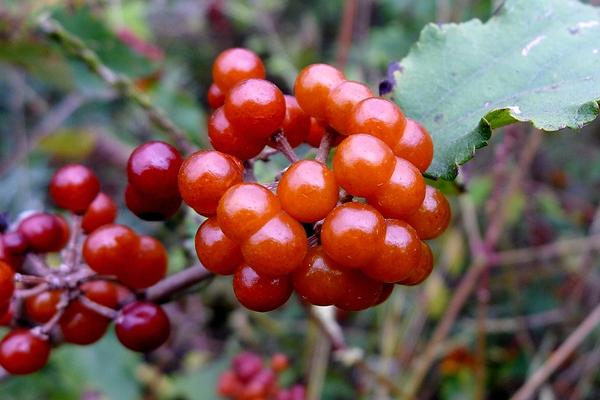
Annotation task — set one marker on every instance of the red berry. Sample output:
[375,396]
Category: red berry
[312,87]
[277,248]
[44,232]
[13,260]
[142,326]
[378,117]
[226,139]
[279,362]
[362,164]
[147,266]
[235,65]
[402,194]
[398,255]
[296,124]
[215,96]
[205,176]
[109,248]
[74,187]
[260,293]
[244,209]
[41,307]
[101,292]
[246,365]
[152,169]
[22,352]
[432,217]
[341,101]
[261,385]
[82,326]
[316,132]
[319,280]
[360,292]
[415,145]
[217,252]
[229,385]
[386,292]
[255,106]
[7,283]
[7,313]
[102,211]
[352,234]
[150,208]
[423,269]
[14,243]
[308,191]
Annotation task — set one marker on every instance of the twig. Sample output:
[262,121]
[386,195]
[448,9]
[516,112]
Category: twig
[60,310]
[344,40]
[533,321]
[559,356]
[284,147]
[122,84]
[325,318]
[163,290]
[325,146]
[98,308]
[25,293]
[72,253]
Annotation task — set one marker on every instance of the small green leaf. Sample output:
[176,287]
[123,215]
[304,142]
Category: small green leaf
[535,61]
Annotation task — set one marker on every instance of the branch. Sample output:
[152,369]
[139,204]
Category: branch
[559,356]
[122,84]
[284,147]
[162,291]
[98,308]
[325,146]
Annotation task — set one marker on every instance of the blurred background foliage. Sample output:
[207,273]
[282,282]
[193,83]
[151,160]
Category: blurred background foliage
[53,111]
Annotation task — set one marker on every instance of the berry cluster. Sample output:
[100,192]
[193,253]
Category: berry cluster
[102,266]
[341,236]
[250,379]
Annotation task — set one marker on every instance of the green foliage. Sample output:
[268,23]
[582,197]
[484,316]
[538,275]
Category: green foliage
[535,61]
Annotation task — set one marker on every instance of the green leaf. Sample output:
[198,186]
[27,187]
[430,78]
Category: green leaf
[535,61]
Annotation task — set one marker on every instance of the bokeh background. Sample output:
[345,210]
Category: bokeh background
[53,110]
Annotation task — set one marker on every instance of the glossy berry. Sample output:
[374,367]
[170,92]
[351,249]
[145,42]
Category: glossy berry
[319,280]
[398,255]
[433,215]
[147,266]
[341,101]
[82,326]
[109,248]
[235,65]
[226,139]
[308,191]
[14,243]
[360,292]
[378,117]
[423,269]
[415,145]
[277,248]
[142,326]
[101,292]
[312,87]
[296,124]
[255,106]
[22,352]
[386,292]
[205,176]
[352,234]
[7,313]
[402,194]
[244,209]
[246,365]
[215,97]
[7,284]
[150,208]
[74,187]
[217,252]
[152,169]
[15,261]
[44,232]
[362,164]
[260,293]
[316,132]
[41,307]
[102,211]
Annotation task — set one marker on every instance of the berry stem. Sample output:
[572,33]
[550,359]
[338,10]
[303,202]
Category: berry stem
[162,291]
[24,293]
[249,171]
[284,147]
[60,310]
[71,255]
[98,308]
[325,146]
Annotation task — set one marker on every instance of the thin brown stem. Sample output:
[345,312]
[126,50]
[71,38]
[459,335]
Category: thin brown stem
[60,310]
[344,40]
[25,293]
[284,147]
[325,146]
[98,308]
[162,291]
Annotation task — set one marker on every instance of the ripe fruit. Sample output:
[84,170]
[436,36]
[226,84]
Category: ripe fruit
[399,254]
[225,138]
[244,208]
[312,87]
[215,96]
[235,65]
[147,266]
[402,194]
[360,292]
[229,385]
[152,169]
[14,243]
[415,145]
[255,106]
[7,284]
[109,248]
[41,307]
[205,176]
[352,234]
[142,326]
[341,101]
[102,211]
[386,292]
[82,326]
[246,365]
[423,269]
[43,232]
[101,292]
[378,117]
[149,208]
[279,362]
[308,191]
[296,124]
[277,248]
[260,293]
[362,164]
[74,187]
[22,352]
[316,133]
[319,280]
[216,252]
[433,215]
